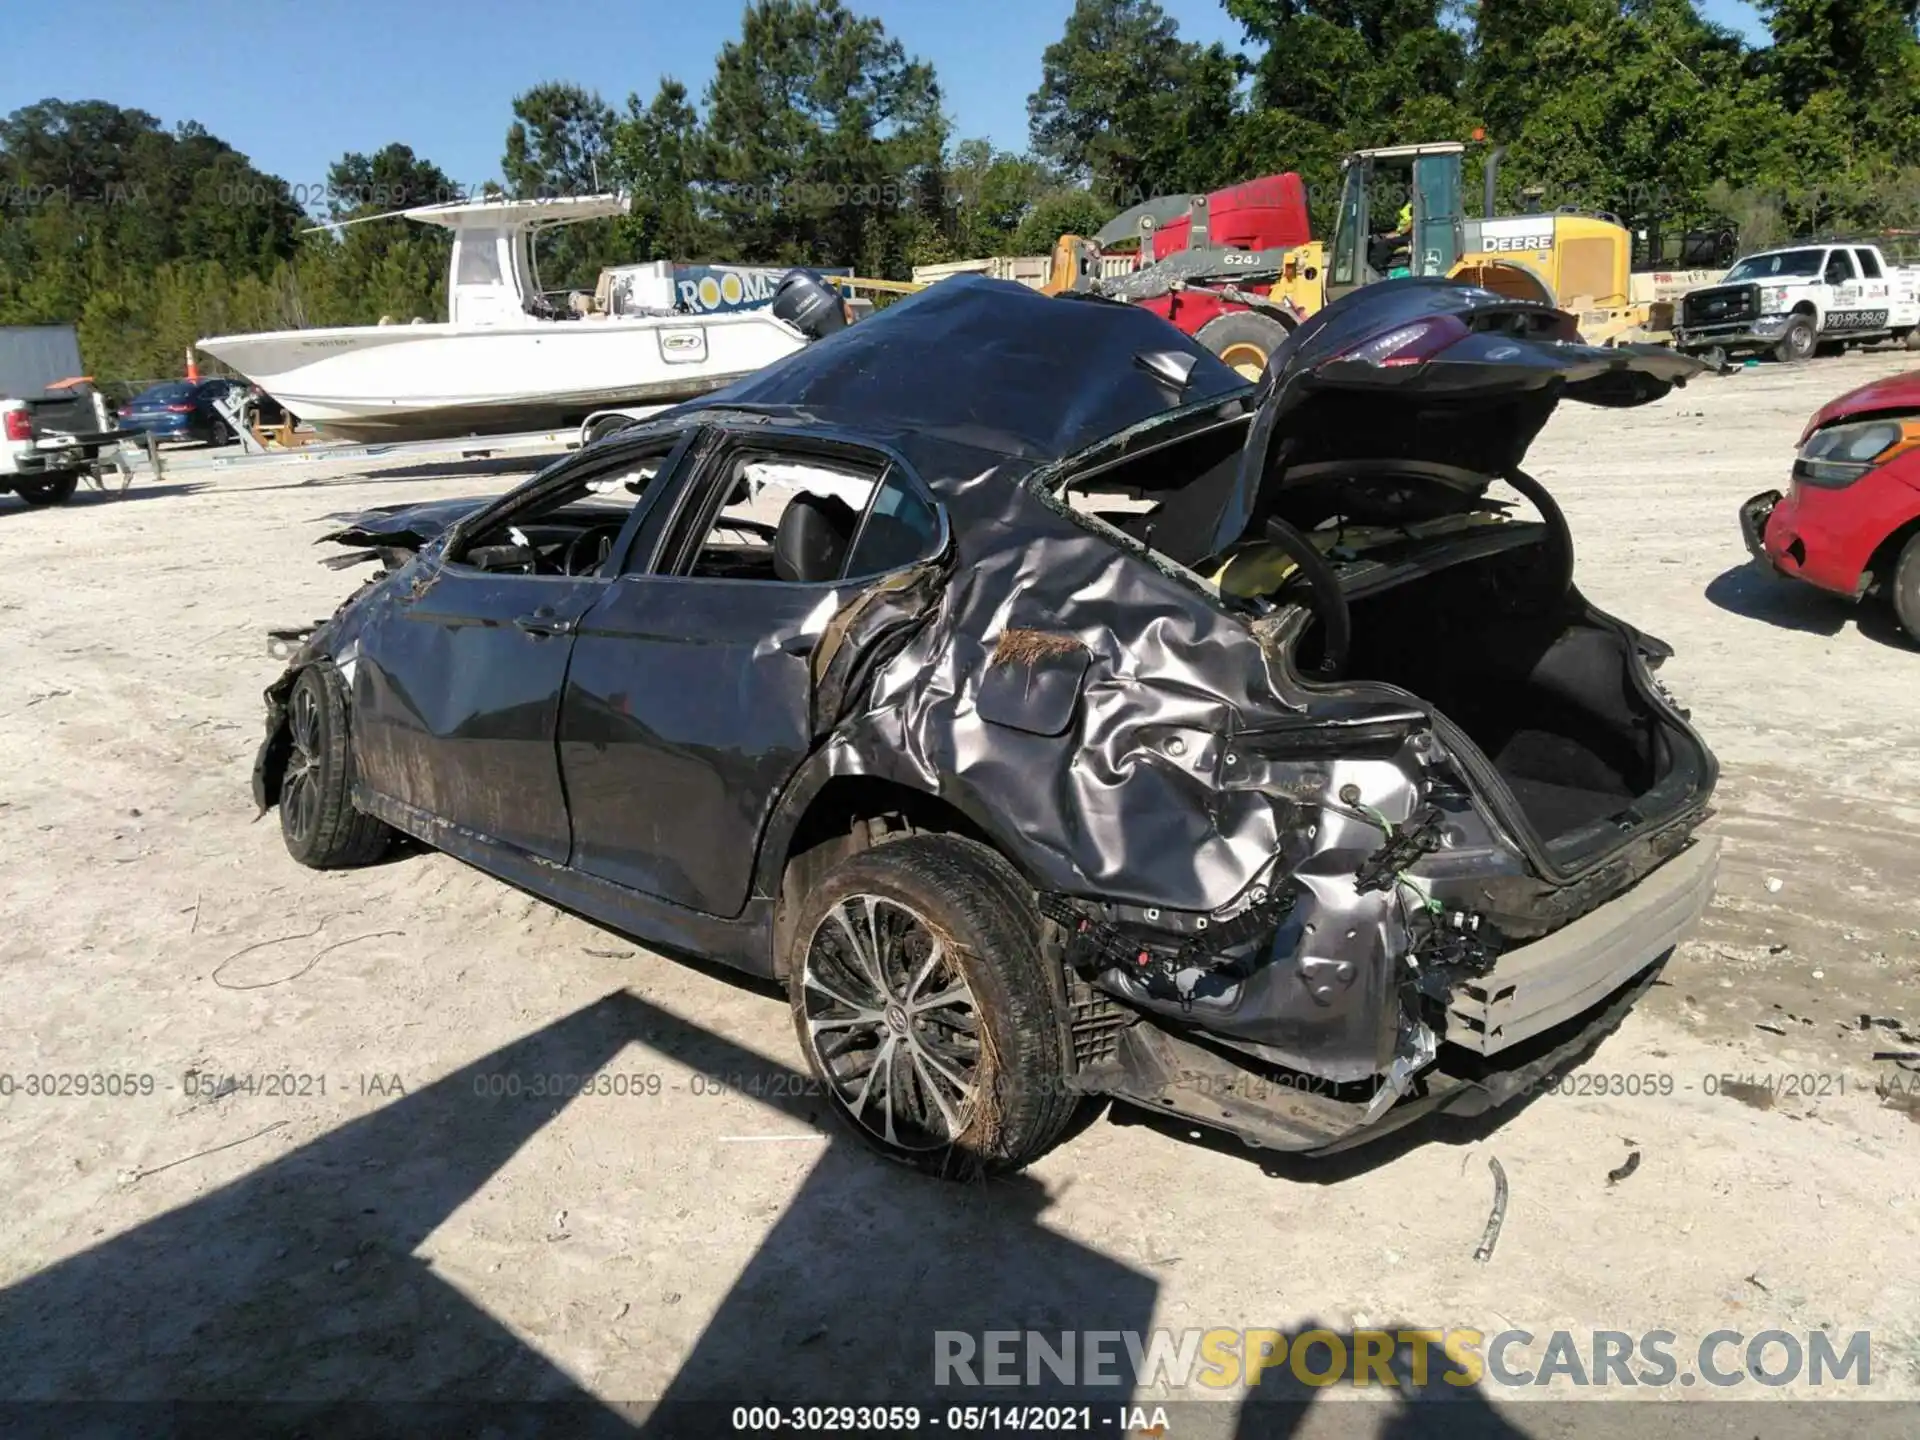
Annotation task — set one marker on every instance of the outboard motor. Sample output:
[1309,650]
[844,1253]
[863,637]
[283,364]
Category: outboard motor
[809,304]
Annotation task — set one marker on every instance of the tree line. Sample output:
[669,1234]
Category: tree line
[818,139]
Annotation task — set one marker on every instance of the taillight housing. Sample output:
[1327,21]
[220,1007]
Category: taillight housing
[1413,343]
[126,412]
[19,424]
[180,409]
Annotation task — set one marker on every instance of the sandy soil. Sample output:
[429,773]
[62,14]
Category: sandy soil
[706,1234]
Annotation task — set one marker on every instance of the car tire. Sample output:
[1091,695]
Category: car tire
[981,1077]
[1243,340]
[1904,591]
[55,490]
[1798,343]
[1912,338]
[317,817]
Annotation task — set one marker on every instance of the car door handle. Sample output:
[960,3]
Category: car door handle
[801,645]
[542,623]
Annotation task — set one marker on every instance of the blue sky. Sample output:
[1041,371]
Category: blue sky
[296,86]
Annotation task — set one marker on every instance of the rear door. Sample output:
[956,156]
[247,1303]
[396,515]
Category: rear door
[694,691]
[456,687]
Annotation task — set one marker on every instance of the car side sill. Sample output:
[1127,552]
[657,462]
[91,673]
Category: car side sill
[744,942]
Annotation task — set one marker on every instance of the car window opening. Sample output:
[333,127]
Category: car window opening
[810,520]
[570,531]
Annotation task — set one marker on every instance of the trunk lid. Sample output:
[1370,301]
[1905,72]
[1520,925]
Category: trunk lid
[1426,378]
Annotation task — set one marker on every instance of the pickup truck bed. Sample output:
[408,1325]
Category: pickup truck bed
[46,446]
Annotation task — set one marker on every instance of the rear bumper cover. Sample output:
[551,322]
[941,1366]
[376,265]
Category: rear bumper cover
[1544,1004]
[1537,986]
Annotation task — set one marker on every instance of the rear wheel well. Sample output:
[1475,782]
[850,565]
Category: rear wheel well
[850,814]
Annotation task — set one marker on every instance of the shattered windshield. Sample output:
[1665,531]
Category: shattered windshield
[1781,262]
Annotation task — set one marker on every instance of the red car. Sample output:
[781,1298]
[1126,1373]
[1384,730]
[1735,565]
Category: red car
[1850,522]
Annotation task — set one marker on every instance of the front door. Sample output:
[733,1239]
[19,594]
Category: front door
[456,697]
[457,685]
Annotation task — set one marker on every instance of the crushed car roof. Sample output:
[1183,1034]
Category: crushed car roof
[990,364]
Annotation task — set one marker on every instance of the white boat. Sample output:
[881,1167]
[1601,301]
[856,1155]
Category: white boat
[505,359]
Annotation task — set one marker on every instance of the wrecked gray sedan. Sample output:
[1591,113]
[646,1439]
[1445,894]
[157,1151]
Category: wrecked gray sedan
[1058,714]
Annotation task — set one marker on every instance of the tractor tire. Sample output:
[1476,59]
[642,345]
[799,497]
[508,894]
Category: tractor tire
[54,490]
[922,1002]
[317,819]
[1798,343]
[1244,341]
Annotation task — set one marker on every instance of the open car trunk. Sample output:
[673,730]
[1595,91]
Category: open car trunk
[1374,441]
[1550,694]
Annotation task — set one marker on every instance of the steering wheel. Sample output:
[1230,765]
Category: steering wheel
[1329,600]
[579,560]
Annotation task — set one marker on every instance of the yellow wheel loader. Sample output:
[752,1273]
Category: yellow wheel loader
[1577,262]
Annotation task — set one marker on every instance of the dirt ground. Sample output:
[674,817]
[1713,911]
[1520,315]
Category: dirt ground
[394,1228]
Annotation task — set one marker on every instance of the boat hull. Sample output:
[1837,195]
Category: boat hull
[423,382]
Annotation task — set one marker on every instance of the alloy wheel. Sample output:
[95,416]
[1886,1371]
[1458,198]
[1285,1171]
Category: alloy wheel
[892,1023]
[300,786]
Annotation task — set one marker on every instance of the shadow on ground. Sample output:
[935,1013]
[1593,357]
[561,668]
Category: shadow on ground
[292,1300]
[242,1295]
[87,496]
[1751,591]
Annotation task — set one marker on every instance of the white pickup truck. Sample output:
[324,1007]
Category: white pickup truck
[1799,300]
[42,452]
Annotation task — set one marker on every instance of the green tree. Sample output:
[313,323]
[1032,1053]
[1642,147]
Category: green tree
[1129,108]
[392,178]
[1635,108]
[125,228]
[822,133]
[1065,212]
[561,144]
[658,154]
[378,267]
[558,143]
[991,193]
